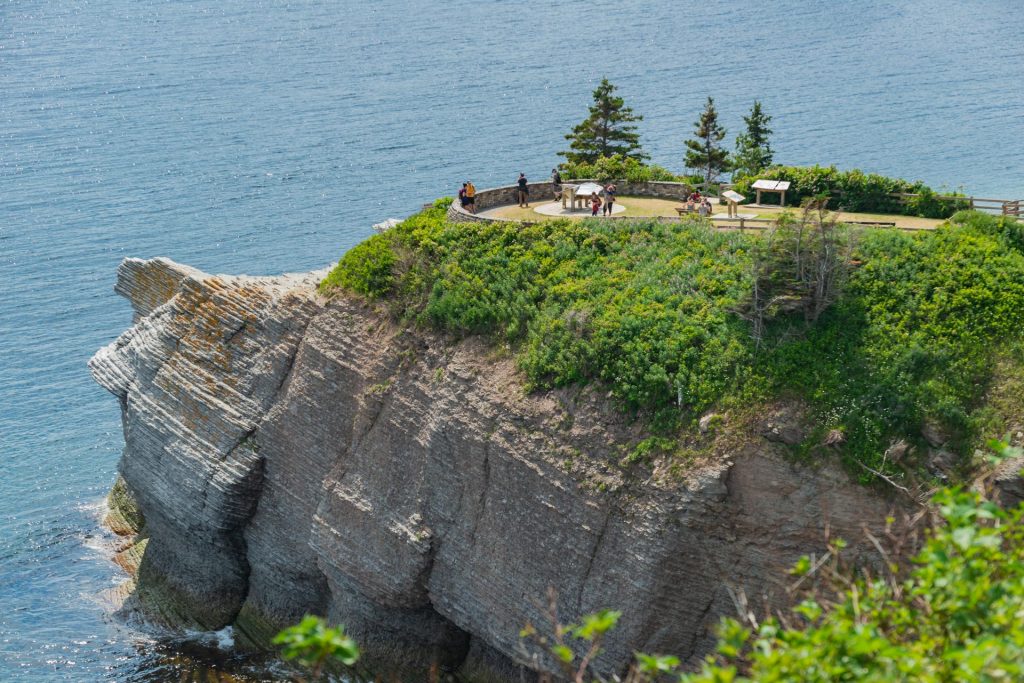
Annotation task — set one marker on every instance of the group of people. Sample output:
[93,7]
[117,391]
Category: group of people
[696,203]
[605,202]
[467,196]
[467,193]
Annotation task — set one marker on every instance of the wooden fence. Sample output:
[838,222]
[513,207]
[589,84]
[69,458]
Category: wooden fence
[1005,207]
[763,223]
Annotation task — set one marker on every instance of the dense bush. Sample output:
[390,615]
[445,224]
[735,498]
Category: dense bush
[365,269]
[852,191]
[618,168]
[914,335]
[648,308]
[317,646]
[1008,232]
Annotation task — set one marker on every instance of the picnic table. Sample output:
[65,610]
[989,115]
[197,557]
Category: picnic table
[572,194]
[685,209]
[779,186]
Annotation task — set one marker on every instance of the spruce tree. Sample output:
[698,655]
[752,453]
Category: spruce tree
[753,152]
[704,153]
[606,132]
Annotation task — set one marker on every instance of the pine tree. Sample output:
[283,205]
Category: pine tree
[606,132]
[753,152]
[704,153]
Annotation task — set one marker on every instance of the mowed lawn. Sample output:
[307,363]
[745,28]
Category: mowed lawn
[646,207]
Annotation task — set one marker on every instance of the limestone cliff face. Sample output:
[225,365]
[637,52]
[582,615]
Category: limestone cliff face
[293,455]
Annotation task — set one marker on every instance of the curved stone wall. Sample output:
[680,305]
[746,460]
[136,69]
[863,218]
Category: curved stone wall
[499,196]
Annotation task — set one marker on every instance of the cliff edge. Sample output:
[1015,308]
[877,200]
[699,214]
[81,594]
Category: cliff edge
[291,454]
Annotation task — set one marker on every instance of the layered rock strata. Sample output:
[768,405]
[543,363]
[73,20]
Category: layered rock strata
[292,455]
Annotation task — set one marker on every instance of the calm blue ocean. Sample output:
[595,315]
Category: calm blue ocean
[263,136]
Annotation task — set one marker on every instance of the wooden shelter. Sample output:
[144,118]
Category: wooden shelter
[779,186]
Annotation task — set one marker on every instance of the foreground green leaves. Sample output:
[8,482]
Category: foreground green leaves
[316,645]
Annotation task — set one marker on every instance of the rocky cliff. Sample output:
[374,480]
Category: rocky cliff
[291,454]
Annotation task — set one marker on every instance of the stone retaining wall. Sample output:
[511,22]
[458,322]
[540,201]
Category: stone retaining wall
[541,192]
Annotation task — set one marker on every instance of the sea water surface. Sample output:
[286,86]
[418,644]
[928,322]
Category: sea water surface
[264,136]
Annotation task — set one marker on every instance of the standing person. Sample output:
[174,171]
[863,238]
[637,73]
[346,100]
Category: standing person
[595,203]
[523,192]
[556,183]
[609,198]
[470,196]
[462,196]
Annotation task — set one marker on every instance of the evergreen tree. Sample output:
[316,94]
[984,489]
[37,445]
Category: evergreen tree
[704,153]
[606,132]
[753,152]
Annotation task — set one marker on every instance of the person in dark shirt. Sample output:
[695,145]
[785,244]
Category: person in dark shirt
[462,196]
[523,191]
[556,183]
[609,199]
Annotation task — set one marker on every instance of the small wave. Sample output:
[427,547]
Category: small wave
[99,539]
[224,639]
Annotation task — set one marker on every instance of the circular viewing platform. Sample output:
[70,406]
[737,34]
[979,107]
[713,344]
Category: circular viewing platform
[652,200]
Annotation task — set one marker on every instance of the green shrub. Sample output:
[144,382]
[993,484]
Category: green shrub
[618,168]
[913,337]
[649,310]
[366,269]
[317,646]
[1007,231]
[854,191]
